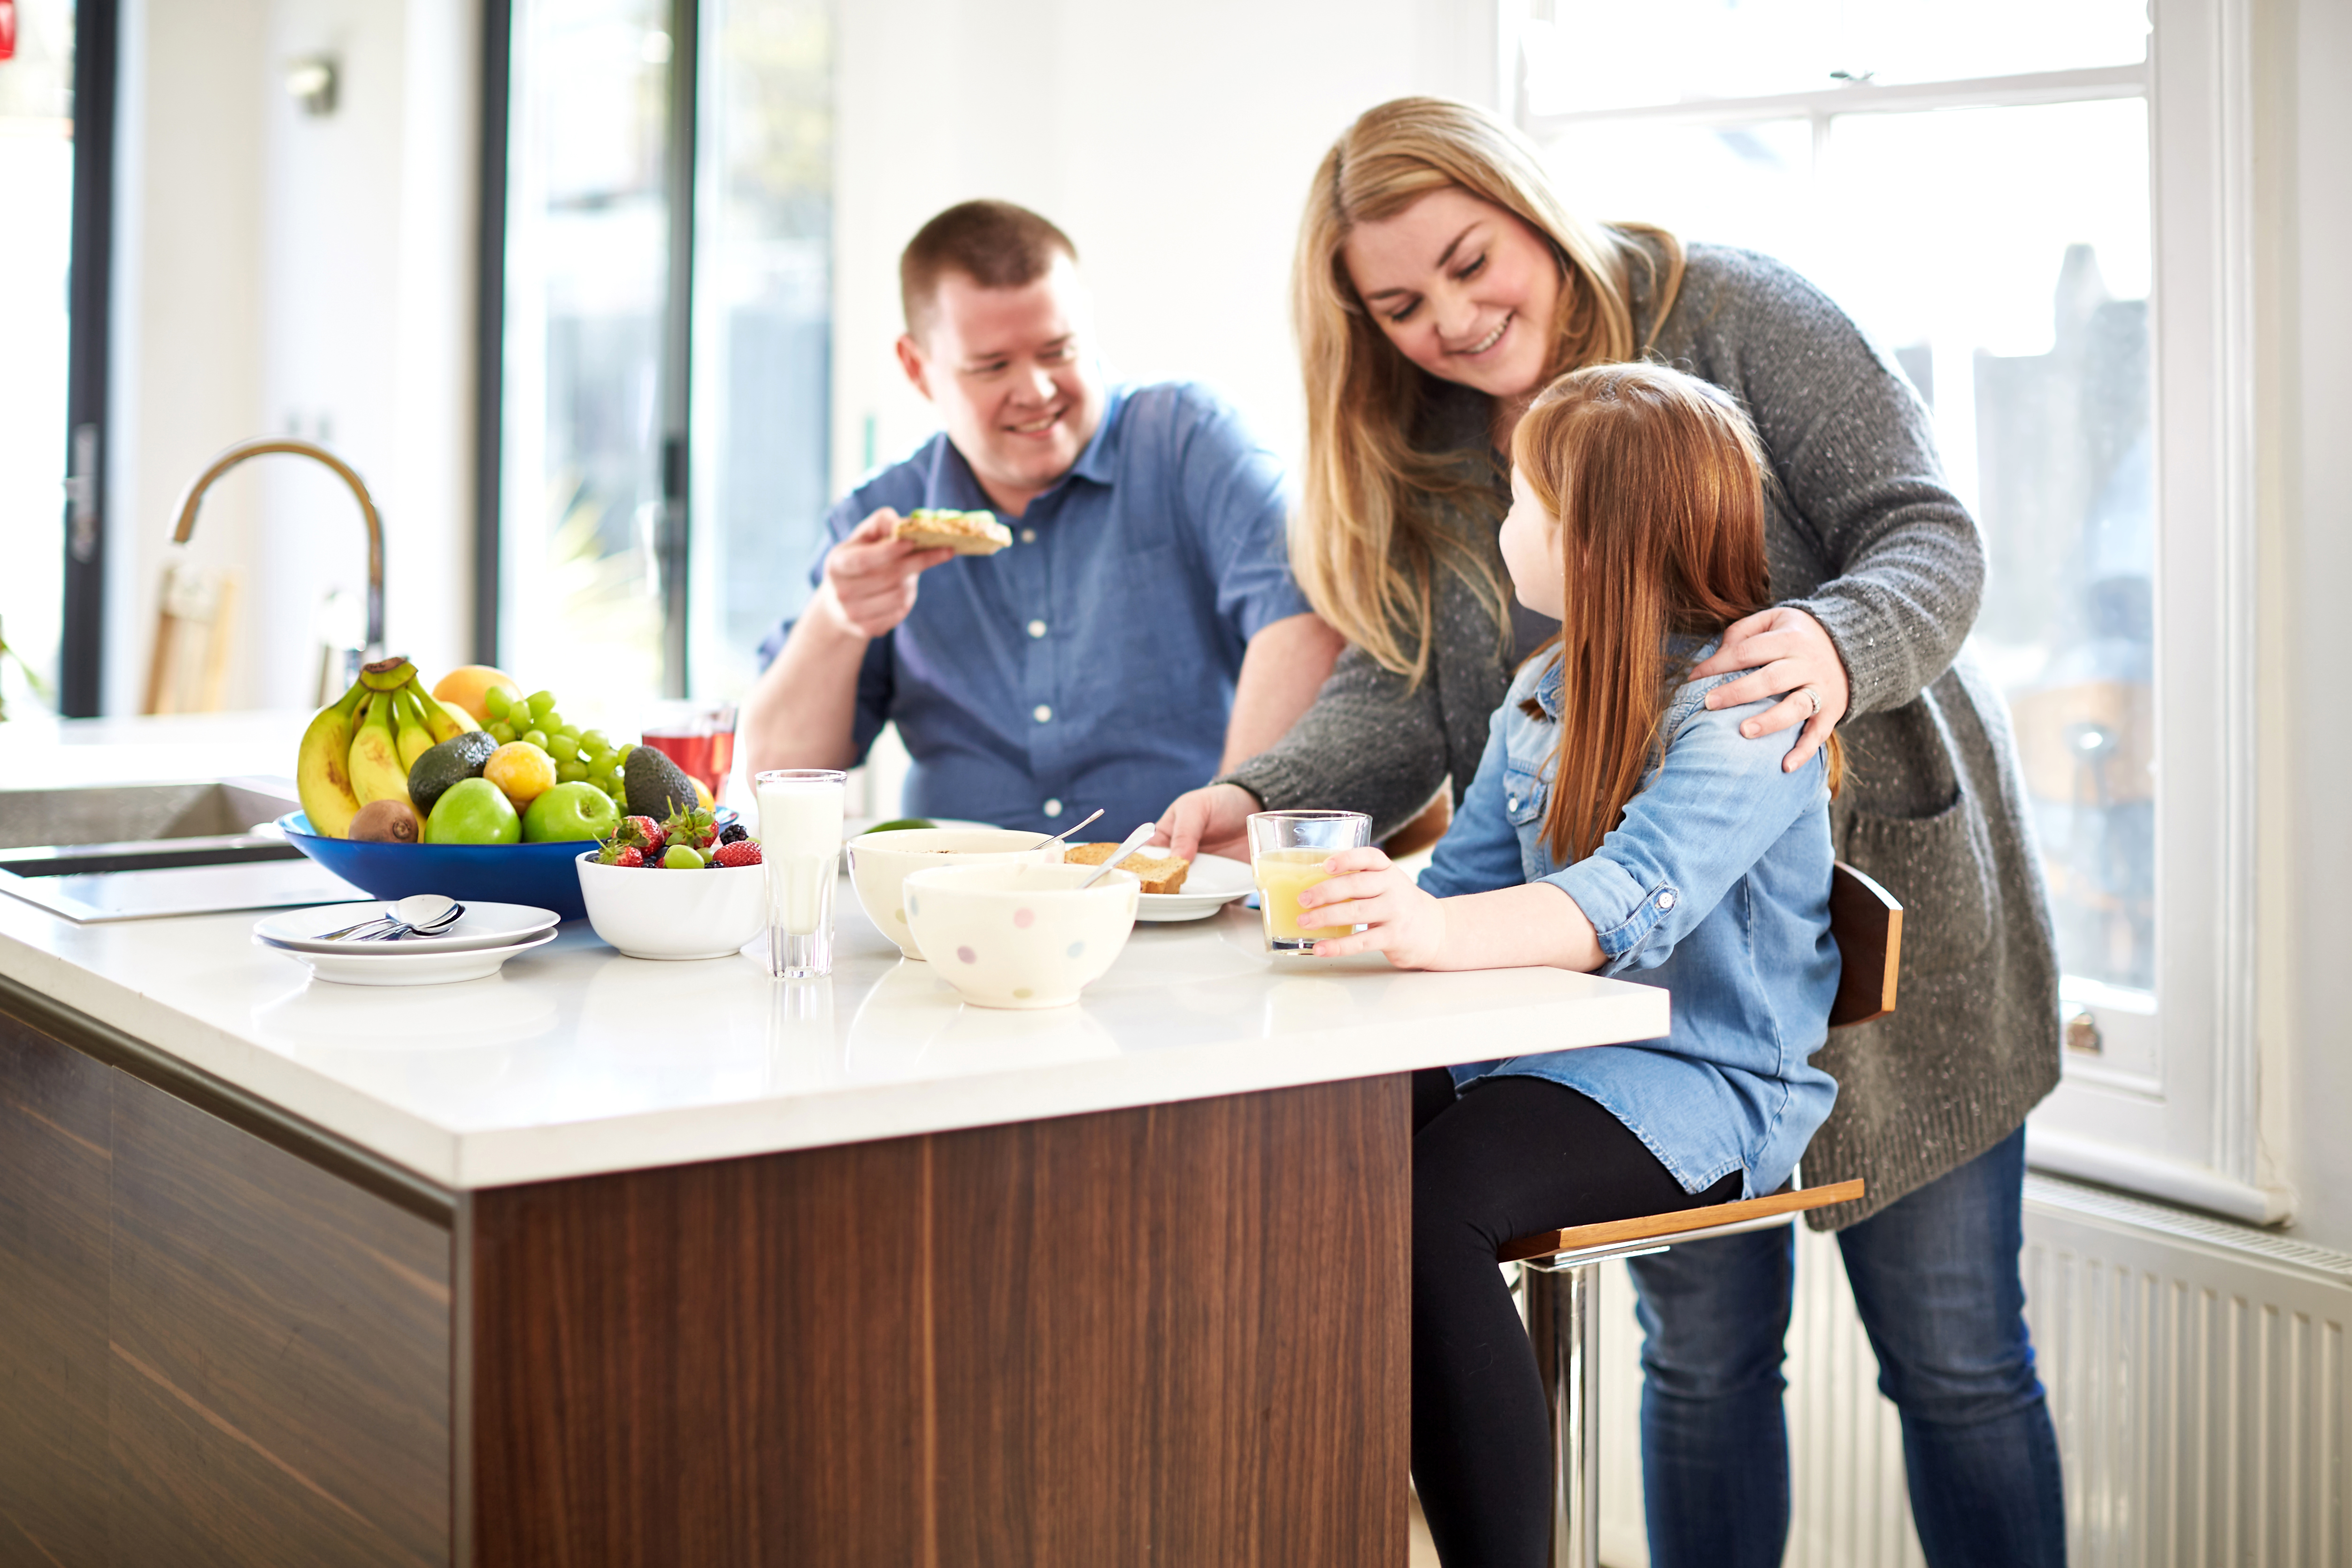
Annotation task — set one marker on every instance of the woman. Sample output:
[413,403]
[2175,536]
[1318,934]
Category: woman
[1439,285]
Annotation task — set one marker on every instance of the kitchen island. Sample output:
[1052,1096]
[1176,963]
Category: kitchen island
[604,1261]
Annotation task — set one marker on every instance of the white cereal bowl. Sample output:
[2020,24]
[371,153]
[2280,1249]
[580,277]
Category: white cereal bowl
[1021,935]
[659,913]
[880,864]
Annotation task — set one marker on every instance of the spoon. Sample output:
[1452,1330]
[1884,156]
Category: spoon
[1068,831]
[1134,842]
[434,924]
[418,909]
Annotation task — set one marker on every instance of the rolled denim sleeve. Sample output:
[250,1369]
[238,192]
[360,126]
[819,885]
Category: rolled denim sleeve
[1709,812]
[1480,851]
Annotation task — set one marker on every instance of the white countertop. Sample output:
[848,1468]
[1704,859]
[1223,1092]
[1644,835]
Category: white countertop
[576,1060]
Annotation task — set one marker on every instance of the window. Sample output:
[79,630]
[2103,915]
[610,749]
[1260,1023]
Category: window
[665,352]
[1977,185]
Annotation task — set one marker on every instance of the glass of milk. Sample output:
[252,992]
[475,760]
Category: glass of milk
[800,844]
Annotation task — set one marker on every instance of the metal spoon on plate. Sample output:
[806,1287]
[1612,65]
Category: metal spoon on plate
[421,914]
[1134,841]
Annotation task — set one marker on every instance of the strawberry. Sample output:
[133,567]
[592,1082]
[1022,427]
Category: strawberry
[694,828]
[618,853]
[742,852]
[645,833]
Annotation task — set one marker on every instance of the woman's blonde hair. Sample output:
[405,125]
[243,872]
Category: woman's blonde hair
[1366,542]
[1657,482]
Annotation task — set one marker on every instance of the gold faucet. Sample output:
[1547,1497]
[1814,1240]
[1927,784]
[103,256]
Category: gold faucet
[229,458]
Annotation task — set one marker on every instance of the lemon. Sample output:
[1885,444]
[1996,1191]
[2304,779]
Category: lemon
[521,771]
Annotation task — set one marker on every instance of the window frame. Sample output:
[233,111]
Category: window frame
[2188,1134]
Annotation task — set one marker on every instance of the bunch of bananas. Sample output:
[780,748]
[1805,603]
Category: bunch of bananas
[360,748]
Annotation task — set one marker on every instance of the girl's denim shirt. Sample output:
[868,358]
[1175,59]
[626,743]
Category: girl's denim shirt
[1716,883]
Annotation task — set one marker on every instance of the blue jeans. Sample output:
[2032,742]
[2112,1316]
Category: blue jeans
[1934,1276]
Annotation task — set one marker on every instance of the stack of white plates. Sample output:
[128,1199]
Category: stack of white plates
[485,937]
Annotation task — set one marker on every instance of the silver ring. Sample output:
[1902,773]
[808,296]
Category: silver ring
[1813,697]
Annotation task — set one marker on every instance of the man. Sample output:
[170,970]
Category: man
[1141,633]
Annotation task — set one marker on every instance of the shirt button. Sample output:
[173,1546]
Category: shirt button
[1053,808]
[1036,628]
[1043,714]
[1028,536]
[1665,902]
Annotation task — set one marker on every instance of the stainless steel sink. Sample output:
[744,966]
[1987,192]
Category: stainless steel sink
[111,852]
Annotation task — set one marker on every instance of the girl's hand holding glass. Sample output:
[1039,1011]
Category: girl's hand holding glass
[1365,888]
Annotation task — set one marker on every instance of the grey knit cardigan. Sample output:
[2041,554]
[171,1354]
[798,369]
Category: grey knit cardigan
[1865,537]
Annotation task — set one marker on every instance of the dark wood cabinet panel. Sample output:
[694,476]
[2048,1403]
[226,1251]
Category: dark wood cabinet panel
[712,1364]
[280,1357]
[54,1171]
[1175,1335]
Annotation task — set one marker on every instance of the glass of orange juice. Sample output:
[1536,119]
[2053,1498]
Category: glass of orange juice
[1287,852]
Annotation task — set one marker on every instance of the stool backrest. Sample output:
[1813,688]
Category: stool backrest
[1867,922]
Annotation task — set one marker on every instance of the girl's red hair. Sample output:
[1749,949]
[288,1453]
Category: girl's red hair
[1657,481]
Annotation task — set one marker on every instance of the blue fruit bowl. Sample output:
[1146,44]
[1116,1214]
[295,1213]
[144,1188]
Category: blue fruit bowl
[538,874]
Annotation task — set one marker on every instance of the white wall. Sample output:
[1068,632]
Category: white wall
[1174,143]
[286,274]
[2304,334]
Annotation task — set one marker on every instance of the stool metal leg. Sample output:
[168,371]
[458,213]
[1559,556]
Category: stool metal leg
[1564,1322]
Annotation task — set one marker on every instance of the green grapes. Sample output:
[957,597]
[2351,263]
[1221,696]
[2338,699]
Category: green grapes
[562,747]
[495,698]
[534,737]
[570,771]
[501,732]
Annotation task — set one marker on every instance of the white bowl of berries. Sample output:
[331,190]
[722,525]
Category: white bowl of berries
[680,889]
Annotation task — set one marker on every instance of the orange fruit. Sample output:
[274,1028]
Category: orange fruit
[463,687]
[521,771]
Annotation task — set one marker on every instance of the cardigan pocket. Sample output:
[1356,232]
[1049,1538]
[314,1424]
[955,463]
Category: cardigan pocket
[1940,867]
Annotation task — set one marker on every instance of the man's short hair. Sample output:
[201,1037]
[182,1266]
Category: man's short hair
[995,244]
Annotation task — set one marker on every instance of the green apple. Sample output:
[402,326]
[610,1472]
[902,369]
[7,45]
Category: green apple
[567,811]
[473,811]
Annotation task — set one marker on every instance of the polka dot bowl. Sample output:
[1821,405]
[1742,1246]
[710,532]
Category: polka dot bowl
[1020,935]
[880,864]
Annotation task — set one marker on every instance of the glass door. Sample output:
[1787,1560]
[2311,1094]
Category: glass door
[665,351]
[586,416]
[36,180]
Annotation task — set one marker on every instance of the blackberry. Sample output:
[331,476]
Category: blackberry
[734,833]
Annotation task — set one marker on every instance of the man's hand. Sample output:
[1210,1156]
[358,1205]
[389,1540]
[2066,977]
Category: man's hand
[869,577]
[1365,890]
[1784,651]
[1215,818]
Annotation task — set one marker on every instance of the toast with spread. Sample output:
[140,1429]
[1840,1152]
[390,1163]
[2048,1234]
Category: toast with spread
[1158,873]
[965,532]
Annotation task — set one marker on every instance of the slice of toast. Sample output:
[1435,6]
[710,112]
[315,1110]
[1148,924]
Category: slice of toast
[965,532]
[1158,873]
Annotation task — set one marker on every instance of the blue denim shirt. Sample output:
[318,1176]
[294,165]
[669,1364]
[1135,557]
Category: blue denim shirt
[1092,663]
[1717,883]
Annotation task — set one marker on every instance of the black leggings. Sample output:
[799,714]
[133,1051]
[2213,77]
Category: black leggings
[1509,1157]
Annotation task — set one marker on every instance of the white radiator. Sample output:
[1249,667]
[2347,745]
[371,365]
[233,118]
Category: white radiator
[2196,1375]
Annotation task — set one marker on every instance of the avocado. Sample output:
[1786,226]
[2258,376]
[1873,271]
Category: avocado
[655,786]
[460,756]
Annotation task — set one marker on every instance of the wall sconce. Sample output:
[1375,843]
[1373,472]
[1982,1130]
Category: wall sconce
[311,82]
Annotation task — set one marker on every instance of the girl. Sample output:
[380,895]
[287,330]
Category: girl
[1616,823]
[1440,284]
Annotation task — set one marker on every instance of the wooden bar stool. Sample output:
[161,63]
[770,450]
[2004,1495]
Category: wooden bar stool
[1560,1271]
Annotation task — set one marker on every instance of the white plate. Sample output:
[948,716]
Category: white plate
[1212,884]
[391,966]
[482,925]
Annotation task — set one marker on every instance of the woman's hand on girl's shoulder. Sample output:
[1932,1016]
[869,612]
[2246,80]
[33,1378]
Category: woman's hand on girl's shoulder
[1366,890]
[1784,651]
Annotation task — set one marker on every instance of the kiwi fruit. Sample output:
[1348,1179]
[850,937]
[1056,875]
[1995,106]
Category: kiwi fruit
[386,821]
